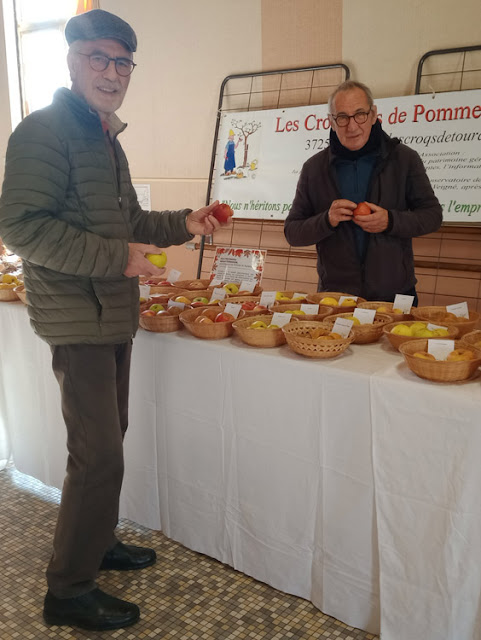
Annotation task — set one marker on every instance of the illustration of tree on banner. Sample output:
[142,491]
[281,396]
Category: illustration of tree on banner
[247,129]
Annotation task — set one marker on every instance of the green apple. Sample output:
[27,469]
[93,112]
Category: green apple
[156,307]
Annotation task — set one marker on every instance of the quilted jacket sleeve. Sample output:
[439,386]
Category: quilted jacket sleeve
[36,180]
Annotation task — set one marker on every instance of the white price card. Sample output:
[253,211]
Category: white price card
[342,298]
[215,281]
[173,276]
[218,294]
[310,309]
[144,291]
[403,302]
[440,349]
[433,327]
[280,319]
[365,316]
[233,309]
[299,296]
[247,285]
[268,298]
[172,303]
[460,309]
[343,327]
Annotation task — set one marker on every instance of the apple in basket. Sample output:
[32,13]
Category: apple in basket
[231,288]
[182,299]
[249,305]
[203,320]
[260,307]
[460,354]
[200,301]
[148,313]
[224,317]
[156,307]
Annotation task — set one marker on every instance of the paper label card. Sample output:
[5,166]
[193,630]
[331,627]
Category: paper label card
[172,303]
[247,285]
[365,316]
[343,327]
[460,309]
[342,298]
[440,349]
[280,318]
[144,291]
[299,296]
[268,298]
[432,326]
[233,309]
[215,281]
[218,294]
[403,302]
[310,309]
[174,275]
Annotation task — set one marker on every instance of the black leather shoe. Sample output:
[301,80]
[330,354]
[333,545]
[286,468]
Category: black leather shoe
[95,610]
[126,557]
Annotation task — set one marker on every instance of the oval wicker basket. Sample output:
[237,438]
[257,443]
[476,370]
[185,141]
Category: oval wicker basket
[473,338]
[363,333]
[298,337]
[397,340]
[21,293]
[371,304]
[282,308]
[315,298]
[431,314]
[214,331]
[440,370]
[8,295]
[160,324]
[258,337]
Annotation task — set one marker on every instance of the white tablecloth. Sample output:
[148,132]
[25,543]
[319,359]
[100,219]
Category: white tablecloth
[273,464]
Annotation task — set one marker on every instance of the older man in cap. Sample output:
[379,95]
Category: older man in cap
[69,209]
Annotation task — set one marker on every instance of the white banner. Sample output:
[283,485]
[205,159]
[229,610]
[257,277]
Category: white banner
[260,153]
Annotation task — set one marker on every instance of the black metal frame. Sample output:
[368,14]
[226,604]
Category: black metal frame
[437,52]
[220,111]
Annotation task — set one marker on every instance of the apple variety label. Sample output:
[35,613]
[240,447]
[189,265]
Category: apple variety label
[173,276]
[233,309]
[299,296]
[310,309]
[343,327]
[459,309]
[247,285]
[280,319]
[218,294]
[432,326]
[365,316]
[144,291]
[172,303]
[342,298]
[215,281]
[268,298]
[403,302]
[440,349]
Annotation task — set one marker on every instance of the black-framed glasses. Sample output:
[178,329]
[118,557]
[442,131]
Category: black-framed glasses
[343,119]
[99,62]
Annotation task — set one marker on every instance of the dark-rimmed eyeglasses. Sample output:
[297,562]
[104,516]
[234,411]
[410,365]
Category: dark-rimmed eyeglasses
[99,62]
[343,119]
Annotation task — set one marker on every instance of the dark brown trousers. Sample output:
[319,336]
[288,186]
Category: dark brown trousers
[94,386]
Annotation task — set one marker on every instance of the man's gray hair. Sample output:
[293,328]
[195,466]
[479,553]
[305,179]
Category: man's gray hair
[348,85]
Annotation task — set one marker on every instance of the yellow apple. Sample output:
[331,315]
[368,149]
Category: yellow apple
[272,326]
[460,354]
[281,296]
[231,288]
[258,324]
[330,302]
[422,333]
[401,330]
[182,299]
[354,319]
[424,355]
[349,302]
[382,309]
[397,311]
[157,259]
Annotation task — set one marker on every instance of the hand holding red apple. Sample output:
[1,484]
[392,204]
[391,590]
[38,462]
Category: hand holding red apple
[204,221]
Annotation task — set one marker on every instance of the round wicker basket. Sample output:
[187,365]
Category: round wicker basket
[8,295]
[315,298]
[473,338]
[258,337]
[440,370]
[196,284]
[387,305]
[298,337]
[363,333]
[164,323]
[434,314]
[21,293]
[282,308]
[214,331]
[397,340]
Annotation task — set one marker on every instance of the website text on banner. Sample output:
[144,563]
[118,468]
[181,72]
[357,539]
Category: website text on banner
[260,153]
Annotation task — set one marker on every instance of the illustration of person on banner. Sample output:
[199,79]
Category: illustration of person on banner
[229,154]
[361,201]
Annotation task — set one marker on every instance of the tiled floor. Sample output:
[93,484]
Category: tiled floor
[184,596]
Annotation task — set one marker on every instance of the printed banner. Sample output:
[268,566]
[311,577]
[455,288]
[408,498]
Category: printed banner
[260,153]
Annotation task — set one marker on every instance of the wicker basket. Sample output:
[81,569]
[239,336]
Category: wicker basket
[190,295]
[289,295]
[397,340]
[388,305]
[255,292]
[163,290]
[214,331]
[298,337]
[8,295]
[473,338]
[196,284]
[431,314]
[315,298]
[363,333]
[21,293]
[164,323]
[240,300]
[318,317]
[439,370]
[258,337]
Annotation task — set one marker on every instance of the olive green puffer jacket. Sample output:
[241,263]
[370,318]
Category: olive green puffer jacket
[69,210]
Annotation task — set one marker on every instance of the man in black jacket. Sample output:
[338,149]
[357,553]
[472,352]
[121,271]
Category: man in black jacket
[369,255]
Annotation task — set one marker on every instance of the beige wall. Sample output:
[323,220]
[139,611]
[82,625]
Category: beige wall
[5,128]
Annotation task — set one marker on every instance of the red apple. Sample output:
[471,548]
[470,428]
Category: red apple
[222,212]
[162,312]
[260,307]
[148,313]
[203,320]
[249,305]
[224,317]
[362,209]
